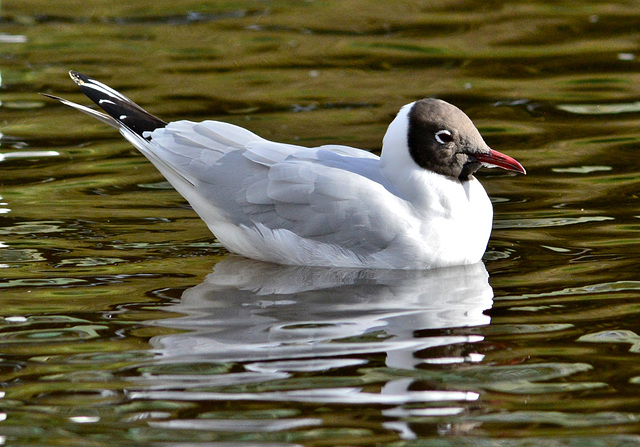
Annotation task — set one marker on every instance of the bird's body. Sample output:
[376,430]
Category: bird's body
[324,206]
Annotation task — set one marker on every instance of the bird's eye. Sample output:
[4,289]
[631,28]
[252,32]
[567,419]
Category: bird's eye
[444,136]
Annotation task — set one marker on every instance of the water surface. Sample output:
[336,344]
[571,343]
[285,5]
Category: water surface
[124,322]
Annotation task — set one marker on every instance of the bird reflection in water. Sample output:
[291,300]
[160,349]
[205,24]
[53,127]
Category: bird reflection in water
[279,321]
[249,311]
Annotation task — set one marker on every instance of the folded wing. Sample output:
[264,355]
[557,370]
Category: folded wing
[328,194]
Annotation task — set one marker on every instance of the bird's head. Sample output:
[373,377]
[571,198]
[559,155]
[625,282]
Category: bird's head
[441,138]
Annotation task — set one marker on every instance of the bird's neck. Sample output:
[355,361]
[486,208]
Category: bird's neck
[415,184]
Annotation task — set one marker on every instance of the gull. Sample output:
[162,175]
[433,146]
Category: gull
[417,206]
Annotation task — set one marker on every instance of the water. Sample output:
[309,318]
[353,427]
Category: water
[125,323]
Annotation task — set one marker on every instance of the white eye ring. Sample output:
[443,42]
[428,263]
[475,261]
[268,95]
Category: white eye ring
[444,137]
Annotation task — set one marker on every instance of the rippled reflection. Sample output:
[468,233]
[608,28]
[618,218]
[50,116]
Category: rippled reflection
[251,311]
[280,320]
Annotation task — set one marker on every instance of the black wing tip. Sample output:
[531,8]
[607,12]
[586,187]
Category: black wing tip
[78,77]
[121,108]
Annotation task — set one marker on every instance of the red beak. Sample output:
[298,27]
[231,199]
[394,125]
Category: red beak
[495,158]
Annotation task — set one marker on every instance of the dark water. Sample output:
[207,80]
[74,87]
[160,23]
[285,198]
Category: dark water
[125,323]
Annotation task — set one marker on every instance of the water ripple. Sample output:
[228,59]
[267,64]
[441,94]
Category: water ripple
[546,222]
[329,396]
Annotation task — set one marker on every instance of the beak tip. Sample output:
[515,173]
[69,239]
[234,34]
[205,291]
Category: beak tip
[500,160]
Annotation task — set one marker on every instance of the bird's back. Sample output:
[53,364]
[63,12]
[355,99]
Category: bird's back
[250,190]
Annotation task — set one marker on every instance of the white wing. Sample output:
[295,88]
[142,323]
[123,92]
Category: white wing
[322,206]
[329,194]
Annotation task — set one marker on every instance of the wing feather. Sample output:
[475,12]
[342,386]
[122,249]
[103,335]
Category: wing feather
[261,195]
[331,194]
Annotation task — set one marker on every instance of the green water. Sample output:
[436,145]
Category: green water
[124,322]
